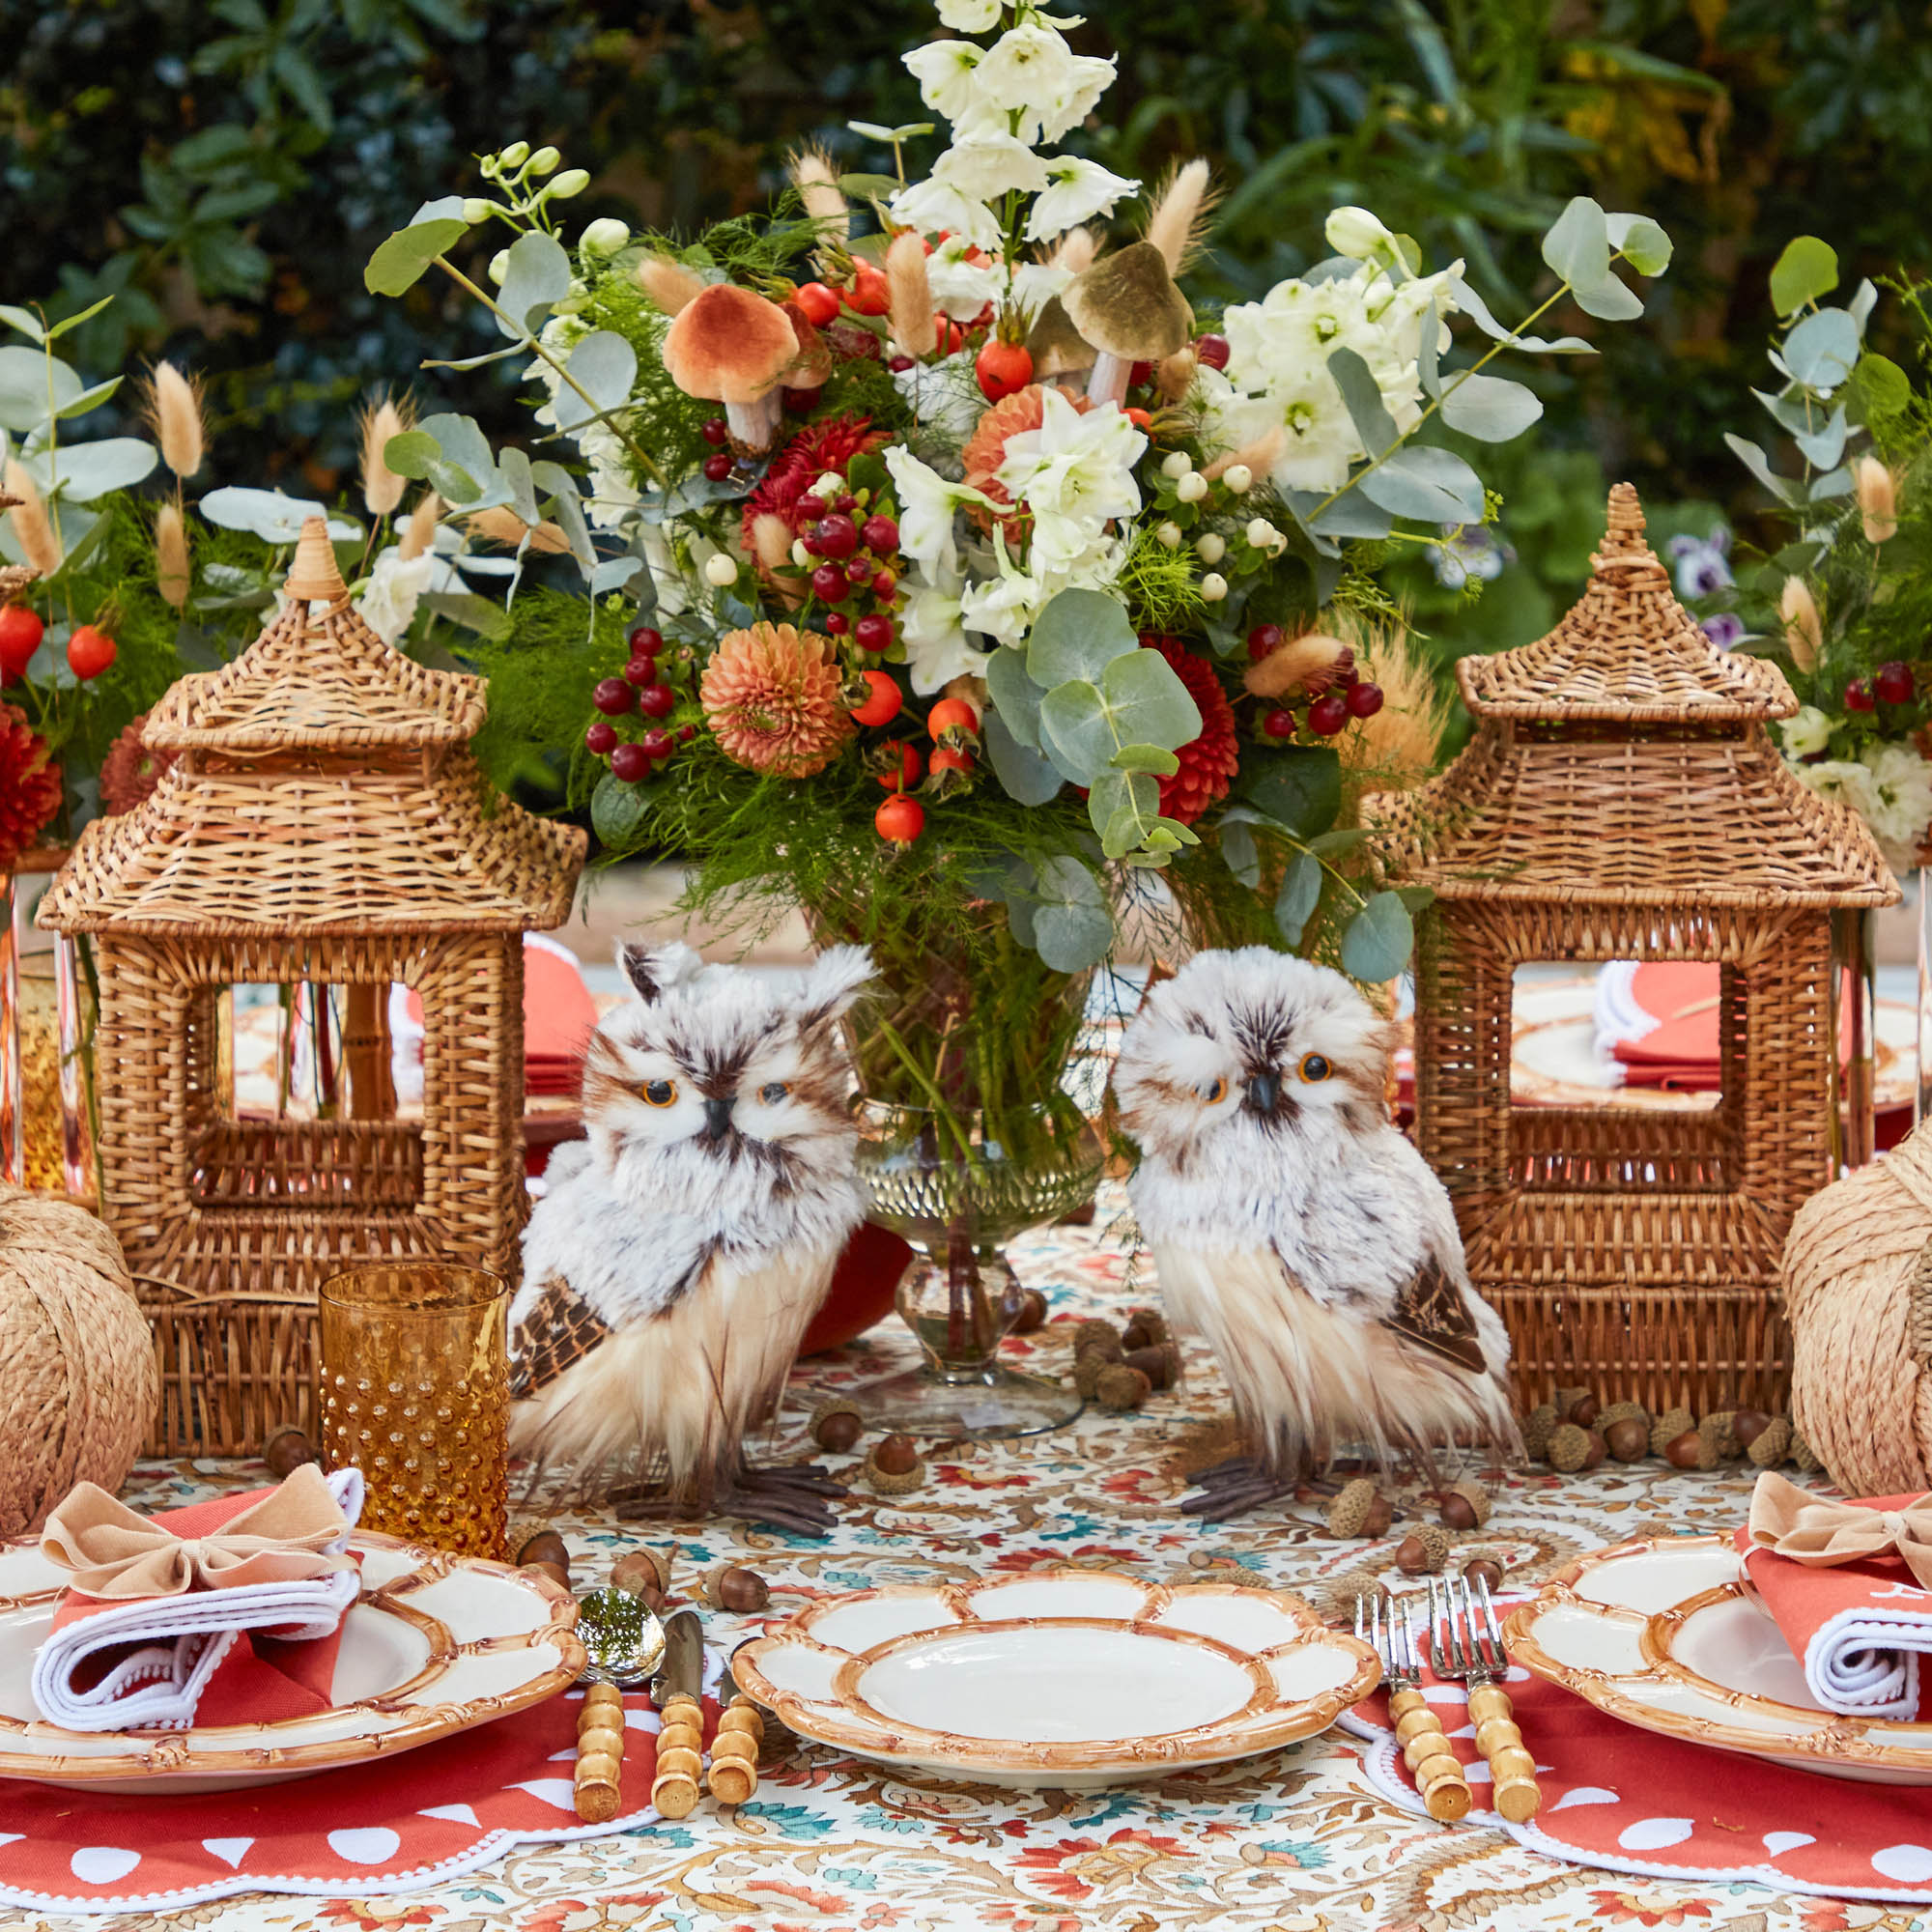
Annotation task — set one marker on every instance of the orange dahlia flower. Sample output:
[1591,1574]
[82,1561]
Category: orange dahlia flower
[772,698]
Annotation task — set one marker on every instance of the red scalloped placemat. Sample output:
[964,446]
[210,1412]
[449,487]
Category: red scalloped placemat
[387,1826]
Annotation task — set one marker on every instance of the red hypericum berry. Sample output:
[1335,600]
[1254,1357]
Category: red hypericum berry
[90,651]
[885,586]
[900,820]
[1364,700]
[21,634]
[656,743]
[717,467]
[642,671]
[1001,369]
[1893,684]
[1328,713]
[1858,697]
[820,304]
[845,504]
[714,432]
[657,700]
[801,402]
[836,622]
[1148,640]
[812,547]
[837,535]
[600,737]
[810,507]
[630,762]
[1263,641]
[883,702]
[874,633]
[859,570]
[1212,350]
[830,584]
[645,642]
[900,364]
[1139,374]
[907,774]
[612,697]
[686,733]
[1279,724]
[881,534]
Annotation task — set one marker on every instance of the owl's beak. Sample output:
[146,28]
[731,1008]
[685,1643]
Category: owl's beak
[1264,1093]
[718,1118]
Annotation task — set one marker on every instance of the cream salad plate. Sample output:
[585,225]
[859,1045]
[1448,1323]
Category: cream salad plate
[1071,1677]
[1664,1635]
[434,1644]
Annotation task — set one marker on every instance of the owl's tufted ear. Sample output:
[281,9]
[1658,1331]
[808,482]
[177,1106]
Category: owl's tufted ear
[654,969]
[831,983]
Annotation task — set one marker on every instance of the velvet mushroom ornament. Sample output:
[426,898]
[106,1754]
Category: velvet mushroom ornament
[1128,308]
[730,345]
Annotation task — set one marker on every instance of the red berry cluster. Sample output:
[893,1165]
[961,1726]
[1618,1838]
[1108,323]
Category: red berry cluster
[644,691]
[858,567]
[1347,700]
[1895,684]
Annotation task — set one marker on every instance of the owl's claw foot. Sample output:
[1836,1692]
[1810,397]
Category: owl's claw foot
[1230,1487]
[797,1497]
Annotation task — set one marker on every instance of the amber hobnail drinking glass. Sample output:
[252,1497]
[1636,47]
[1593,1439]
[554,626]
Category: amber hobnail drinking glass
[415,1379]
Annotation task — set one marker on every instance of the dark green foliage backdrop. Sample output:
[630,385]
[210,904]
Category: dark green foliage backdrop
[229,166]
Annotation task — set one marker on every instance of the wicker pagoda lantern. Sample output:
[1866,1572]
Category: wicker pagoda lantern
[323,824]
[1622,799]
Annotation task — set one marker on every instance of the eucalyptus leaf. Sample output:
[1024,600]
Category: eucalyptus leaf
[1028,775]
[569,509]
[1433,486]
[1073,926]
[1834,483]
[90,399]
[1577,244]
[1609,301]
[1882,387]
[269,515]
[514,467]
[1807,269]
[1162,763]
[1468,302]
[1641,241]
[1822,447]
[473,613]
[401,261]
[1363,395]
[1331,845]
[1793,415]
[1349,516]
[24,320]
[1758,463]
[1377,942]
[536,274]
[1015,696]
[1299,786]
[1823,349]
[34,387]
[1299,894]
[85,472]
[606,365]
[1865,299]
[1239,852]
[411,453]
[1078,634]
[1489,407]
[867,186]
[1123,808]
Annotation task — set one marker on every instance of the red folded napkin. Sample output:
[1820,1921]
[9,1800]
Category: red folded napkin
[1680,1053]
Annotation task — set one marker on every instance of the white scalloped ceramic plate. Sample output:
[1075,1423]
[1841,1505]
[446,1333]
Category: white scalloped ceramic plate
[1664,1635]
[434,1644]
[1071,1677]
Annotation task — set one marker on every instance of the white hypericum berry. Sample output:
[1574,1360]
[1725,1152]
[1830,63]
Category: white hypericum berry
[1213,587]
[1262,534]
[499,264]
[800,555]
[1177,464]
[1167,535]
[1192,487]
[830,485]
[1240,479]
[1211,548]
[720,570]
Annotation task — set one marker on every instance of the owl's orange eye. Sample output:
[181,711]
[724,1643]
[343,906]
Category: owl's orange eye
[658,1093]
[1215,1092]
[1314,1067]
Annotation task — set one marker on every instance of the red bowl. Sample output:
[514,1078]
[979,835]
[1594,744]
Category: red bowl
[862,1286]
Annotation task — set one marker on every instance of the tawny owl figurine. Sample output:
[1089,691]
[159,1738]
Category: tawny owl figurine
[672,1267]
[1294,1225]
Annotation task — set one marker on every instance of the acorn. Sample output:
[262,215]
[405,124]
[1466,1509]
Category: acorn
[641,1572]
[545,1547]
[1088,1366]
[1718,1430]
[836,1425]
[1032,1315]
[1628,1438]
[1121,1386]
[1747,1425]
[893,1467]
[1598,1448]
[1467,1506]
[1691,1450]
[1569,1449]
[1567,1400]
[1803,1453]
[1159,1362]
[1771,1444]
[1538,1425]
[1585,1412]
[556,1572]
[1624,1412]
[1344,1593]
[1423,1549]
[1668,1427]
[1098,1335]
[1484,1569]
[288,1451]
[1146,1328]
[1359,1509]
[734,1588]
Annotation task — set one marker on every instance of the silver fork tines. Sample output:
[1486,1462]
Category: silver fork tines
[1492,1652]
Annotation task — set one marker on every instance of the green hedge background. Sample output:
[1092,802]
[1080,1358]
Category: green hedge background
[228,167]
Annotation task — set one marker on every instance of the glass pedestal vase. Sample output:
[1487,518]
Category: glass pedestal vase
[958,1198]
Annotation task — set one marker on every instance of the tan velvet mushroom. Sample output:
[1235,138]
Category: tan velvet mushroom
[1058,349]
[730,345]
[1127,307]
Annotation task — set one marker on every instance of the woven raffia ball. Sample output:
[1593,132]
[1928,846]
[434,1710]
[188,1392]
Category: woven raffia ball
[78,1385]
[1856,1283]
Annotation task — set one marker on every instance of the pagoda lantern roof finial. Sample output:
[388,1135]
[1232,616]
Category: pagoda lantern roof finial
[313,577]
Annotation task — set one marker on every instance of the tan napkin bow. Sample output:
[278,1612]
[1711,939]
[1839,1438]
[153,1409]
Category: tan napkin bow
[1816,1530]
[115,1552]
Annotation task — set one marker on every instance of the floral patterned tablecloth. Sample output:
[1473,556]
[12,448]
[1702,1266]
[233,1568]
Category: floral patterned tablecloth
[1292,1842]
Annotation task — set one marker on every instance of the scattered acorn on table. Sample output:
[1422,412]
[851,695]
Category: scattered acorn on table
[1576,1432]
[894,1466]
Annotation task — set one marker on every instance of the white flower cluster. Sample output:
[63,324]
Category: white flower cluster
[1891,787]
[1277,375]
[1004,102]
[1075,476]
[611,489]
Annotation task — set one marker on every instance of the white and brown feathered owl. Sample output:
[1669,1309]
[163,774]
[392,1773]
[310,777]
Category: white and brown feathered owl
[670,1270]
[1295,1227]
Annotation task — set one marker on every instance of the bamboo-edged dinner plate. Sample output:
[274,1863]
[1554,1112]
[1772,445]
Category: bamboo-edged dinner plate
[1068,1677]
[1664,1634]
[434,1644]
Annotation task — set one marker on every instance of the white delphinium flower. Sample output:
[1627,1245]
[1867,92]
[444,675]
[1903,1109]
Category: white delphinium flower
[1029,69]
[1035,283]
[926,503]
[396,585]
[1901,809]
[934,206]
[612,492]
[984,167]
[936,639]
[1090,76]
[1808,732]
[961,288]
[1359,234]
[943,70]
[969,16]
[1075,191]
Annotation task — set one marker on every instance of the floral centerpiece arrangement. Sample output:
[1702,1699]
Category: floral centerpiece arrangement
[1845,604]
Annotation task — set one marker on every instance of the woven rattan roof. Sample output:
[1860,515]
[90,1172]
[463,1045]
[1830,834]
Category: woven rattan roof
[1628,650]
[317,679]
